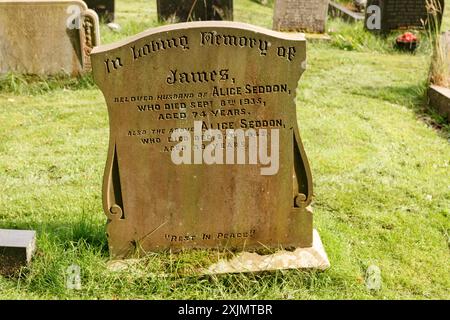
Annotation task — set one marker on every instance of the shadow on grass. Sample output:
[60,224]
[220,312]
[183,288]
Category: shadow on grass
[413,97]
[77,232]
[34,85]
[68,234]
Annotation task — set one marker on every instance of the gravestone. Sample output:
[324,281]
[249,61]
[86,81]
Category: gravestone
[360,5]
[400,14]
[16,250]
[300,15]
[264,2]
[104,9]
[46,37]
[193,10]
[445,43]
[439,90]
[204,148]
[339,10]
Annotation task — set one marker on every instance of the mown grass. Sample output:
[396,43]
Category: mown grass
[380,167]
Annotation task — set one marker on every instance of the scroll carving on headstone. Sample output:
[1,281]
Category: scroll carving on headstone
[89,37]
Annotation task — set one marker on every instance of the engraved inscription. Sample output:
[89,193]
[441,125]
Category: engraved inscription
[300,15]
[159,45]
[199,76]
[113,64]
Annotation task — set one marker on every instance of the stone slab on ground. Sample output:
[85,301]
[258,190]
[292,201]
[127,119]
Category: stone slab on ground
[314,257]
[439,98]
[317,37]
[16,249]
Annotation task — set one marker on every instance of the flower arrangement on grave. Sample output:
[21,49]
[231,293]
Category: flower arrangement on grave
[407,41]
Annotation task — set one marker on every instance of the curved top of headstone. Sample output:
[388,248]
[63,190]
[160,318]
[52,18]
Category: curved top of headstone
[199,25]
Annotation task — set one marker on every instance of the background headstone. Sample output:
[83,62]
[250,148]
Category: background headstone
[264,2]
[104,9]
[401,14]
[439,90]
[445,43]
[360,4]
[300,15]
[16,250]
[194,10]
[339,10]
[217,73]
[47,37]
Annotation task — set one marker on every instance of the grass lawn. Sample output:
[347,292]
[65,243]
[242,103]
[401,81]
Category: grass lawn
[381,172]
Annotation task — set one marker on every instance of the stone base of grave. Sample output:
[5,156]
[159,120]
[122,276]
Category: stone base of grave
[317,37]
[313,36]
[439,98]
[314,257]
[16,250]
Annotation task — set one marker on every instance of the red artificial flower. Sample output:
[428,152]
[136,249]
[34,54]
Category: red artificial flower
[407,37]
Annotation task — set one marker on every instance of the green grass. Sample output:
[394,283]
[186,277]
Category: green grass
[381,174]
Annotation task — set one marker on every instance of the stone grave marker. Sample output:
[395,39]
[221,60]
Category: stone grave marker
[360,5]
[439,91]
[46,37]
[300,15]
[193,10]
[204,148]
[104,9]
[339,10]
[398,14]
[16,250]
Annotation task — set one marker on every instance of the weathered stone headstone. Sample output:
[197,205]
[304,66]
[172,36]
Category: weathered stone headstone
[192,108]
[300,15]
[16,250]
[399,14]
[439,90]
[339,10]
[264,2]
[439,98]
[46,37]
[360,5]
[193,10]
